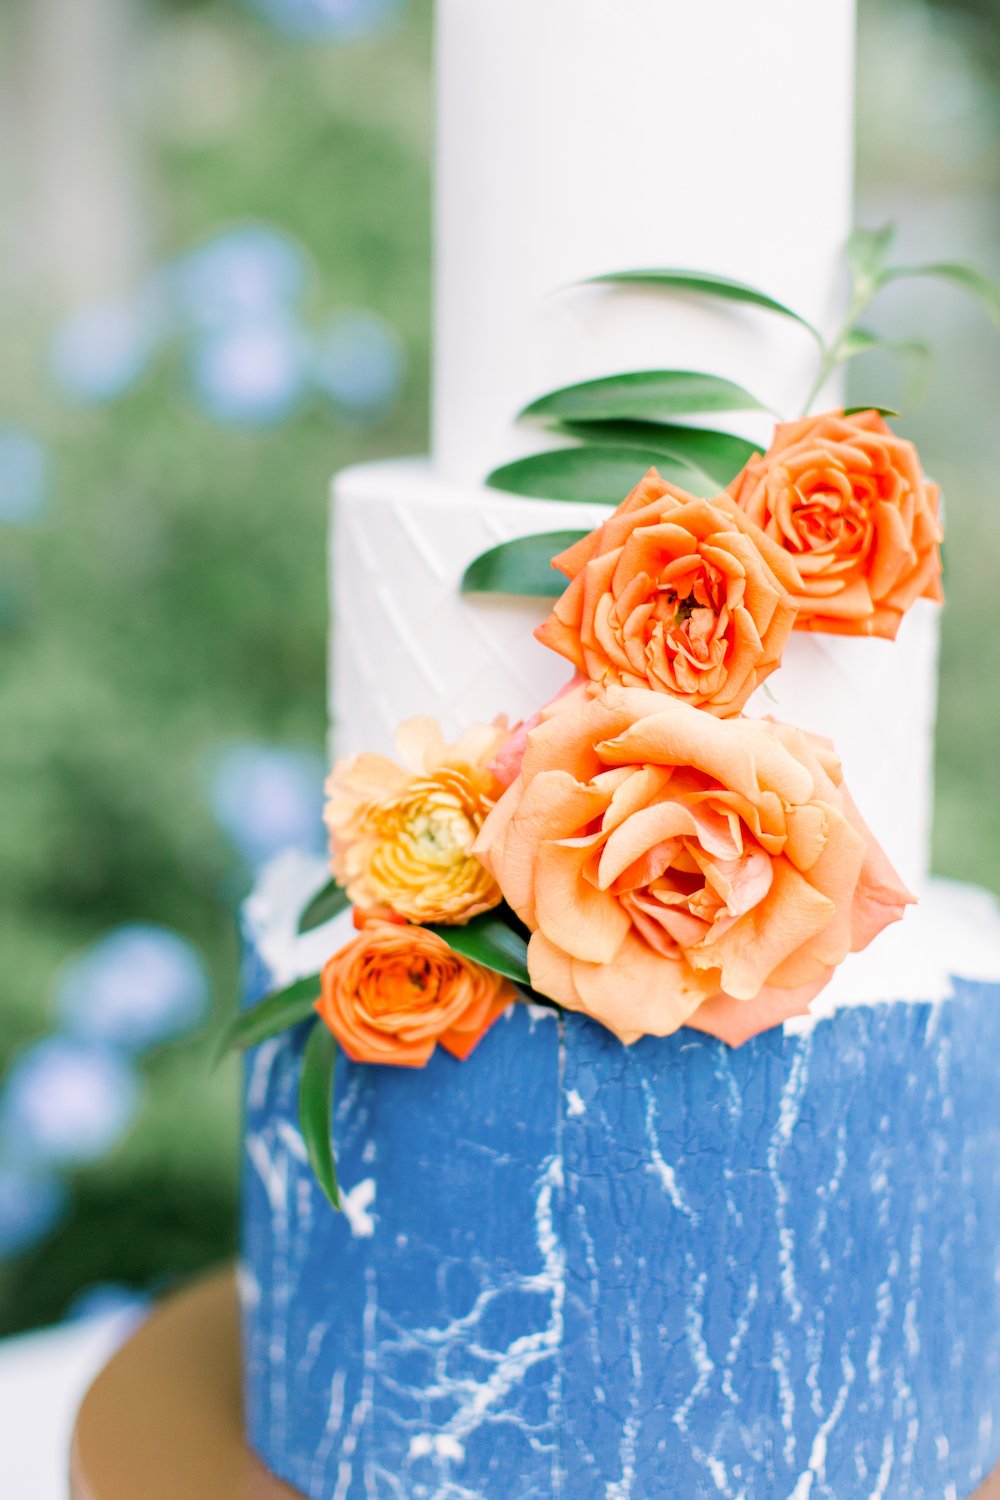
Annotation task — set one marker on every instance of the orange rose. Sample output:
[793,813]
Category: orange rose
[395,992]
[848,499]
[679,868]
[401,836]
[677,594]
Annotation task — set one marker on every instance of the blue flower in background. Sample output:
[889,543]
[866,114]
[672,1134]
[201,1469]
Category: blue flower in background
[24,477]
[268,799]
[102,350]
[233,307]
[359,362]
[139,986]
[67,1102]
[108,1299]
[319,20]
[249,272]
[32,1205]
[250,374]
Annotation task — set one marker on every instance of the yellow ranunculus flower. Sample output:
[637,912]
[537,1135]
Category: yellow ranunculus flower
[401,836]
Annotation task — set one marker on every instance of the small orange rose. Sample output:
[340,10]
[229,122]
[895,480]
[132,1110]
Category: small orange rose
[401,836]
[848,500]
[395,992]
[681,595]
[677,868]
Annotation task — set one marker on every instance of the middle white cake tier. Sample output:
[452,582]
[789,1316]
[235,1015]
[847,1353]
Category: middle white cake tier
[406,641]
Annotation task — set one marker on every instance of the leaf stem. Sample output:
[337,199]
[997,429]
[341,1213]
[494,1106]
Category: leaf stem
[833,352]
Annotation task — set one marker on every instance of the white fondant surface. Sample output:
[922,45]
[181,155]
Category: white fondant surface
[954,932]
[406,642]
[579,137]
[405,639]
[271,918]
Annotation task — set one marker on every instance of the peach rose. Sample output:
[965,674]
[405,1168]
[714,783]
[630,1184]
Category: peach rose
[401,836]
[679,868]
[682,595]
[397,991]
[847,498]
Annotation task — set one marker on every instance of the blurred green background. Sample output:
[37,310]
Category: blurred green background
[216,291]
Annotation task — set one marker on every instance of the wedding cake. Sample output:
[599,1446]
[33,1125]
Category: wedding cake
[631,1231]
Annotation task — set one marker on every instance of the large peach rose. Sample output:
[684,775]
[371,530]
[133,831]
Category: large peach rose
[848,500]
[679,868]
[401,836]
[397,991]
[678,594]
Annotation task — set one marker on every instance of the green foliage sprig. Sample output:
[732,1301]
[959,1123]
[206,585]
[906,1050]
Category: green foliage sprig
[624,424]
[316,1086]
[327,903]
[522,566]
[867,255]
[274,1015]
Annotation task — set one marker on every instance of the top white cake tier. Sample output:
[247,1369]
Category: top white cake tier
[579,137]
[406,641]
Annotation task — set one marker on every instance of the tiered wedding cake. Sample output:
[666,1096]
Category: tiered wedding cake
[567,1268]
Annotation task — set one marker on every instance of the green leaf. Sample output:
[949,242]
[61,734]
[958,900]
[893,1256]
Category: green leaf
[594,473]
[279,1012]
[522,567]
[867,251]
[916,356]
[965,277]
[324,906]
[720,455]
[861,341]
[857,341]
[644,394]
[883,411]
[490,941]
[316,1108]
[710,286]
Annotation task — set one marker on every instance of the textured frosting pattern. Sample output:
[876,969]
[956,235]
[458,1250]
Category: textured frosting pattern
[405,642]
[566,1269]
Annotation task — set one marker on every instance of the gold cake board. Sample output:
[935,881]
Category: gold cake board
[163,1419]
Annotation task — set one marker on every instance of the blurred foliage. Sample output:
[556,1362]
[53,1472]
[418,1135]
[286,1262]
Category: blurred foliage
[985,13]
[173,598]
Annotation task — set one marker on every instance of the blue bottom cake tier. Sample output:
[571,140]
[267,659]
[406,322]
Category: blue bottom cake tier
[567,1270]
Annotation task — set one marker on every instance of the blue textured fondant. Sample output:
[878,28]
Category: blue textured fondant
[571,1271]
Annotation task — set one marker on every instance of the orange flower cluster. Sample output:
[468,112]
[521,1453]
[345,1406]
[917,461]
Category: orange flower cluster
[683,867]
[675,862]
[401,838]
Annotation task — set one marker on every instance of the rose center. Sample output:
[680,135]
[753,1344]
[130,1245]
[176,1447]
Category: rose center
[689,605]
[828,516]
[412,983]
[690,888]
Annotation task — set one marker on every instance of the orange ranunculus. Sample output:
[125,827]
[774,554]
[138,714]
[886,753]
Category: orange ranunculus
[397,991]
[848,500]
[682,595]
[679,868]
[401,836]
